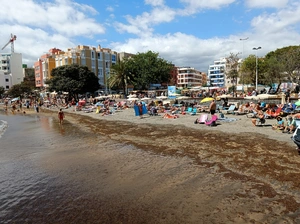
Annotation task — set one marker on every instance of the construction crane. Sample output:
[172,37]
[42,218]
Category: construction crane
[11,41]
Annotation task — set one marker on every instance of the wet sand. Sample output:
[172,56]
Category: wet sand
[156,170]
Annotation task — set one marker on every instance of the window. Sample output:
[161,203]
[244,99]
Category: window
[6,80]
[7,87]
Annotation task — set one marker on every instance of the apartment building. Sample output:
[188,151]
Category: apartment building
[11,71]
[44,65]
[98,60]
[216,73]
[188,77]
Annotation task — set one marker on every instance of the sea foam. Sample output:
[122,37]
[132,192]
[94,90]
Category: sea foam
[3,127]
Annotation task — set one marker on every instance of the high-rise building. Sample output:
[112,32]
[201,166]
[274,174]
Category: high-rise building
[216,73]
[11,72]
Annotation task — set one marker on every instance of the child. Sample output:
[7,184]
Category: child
[61,116]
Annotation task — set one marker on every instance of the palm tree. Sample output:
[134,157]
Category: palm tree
[118,76]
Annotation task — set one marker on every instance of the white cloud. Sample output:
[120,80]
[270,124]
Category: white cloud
[193,6]
[40,26]
[266,3]
[142,24]
[65,16]
[155,2]
[278,22]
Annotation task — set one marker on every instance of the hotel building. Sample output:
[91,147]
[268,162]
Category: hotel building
[188,77]
[11,71]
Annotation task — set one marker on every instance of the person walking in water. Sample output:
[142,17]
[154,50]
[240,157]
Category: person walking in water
[61,116]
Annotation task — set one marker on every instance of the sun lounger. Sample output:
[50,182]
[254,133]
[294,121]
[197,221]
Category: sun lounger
[212,121]
[230,110]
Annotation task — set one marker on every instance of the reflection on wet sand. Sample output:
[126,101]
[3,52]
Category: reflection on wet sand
[116,172]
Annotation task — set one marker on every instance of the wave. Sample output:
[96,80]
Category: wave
[3,127]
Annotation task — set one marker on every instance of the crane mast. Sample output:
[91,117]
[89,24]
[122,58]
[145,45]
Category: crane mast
[11,41]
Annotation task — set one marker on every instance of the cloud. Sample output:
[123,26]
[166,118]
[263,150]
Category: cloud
[281,21]
[155,2]
[194,6]
[266,3]
[66,17]
[142,24]
[40,26]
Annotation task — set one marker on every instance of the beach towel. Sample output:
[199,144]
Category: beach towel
[202,119]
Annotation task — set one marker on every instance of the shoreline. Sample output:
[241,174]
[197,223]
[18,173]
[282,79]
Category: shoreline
[248,165]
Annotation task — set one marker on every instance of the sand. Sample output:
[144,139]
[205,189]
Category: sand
[231,173]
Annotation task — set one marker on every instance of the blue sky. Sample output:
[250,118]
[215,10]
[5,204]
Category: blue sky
[185,32]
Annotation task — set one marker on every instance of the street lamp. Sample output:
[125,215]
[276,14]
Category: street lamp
[243,39]
[256,48]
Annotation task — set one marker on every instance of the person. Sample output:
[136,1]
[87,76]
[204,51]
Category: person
[61,116]
[290,126]
[287,96]
[212,107]
[259,117]
[140,106]
[279,124]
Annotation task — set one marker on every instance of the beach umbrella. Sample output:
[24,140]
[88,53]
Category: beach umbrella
[224,96]
[207,99]
[146,98]
[132,99]
[161,97]
[265,96]
[182,97]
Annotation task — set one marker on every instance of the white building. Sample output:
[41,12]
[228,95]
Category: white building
[11,71]
[216,73]
[188,77]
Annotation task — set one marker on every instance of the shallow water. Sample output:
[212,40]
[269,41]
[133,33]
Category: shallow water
[67,174]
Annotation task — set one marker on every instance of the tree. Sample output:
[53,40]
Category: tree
[232,69]
[248,68]
[147,68]
[2,90]
[289,60]
[119,76]
[20,90]
[74,79]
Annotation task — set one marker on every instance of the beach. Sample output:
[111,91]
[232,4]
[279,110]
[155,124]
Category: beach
[123,169]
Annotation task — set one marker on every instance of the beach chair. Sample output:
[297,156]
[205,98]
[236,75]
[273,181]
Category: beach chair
[230,110]
[194,111]
[212,121]
[189,110]
[202,119]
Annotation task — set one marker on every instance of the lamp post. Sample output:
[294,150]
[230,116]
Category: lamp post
[256,48]
[243,39]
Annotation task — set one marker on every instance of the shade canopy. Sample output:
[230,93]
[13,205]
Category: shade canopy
[207,99]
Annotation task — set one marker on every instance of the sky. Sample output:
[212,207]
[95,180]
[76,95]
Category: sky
[191,33]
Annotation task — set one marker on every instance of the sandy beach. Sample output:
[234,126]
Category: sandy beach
[192,173]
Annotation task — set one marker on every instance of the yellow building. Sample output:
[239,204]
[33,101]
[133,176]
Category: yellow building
[98,60]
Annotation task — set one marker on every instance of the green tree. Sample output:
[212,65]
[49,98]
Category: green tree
[147,68]
[74,79]
[2,90]
[248,68]
[119,76]
[289,60]
[20,90]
